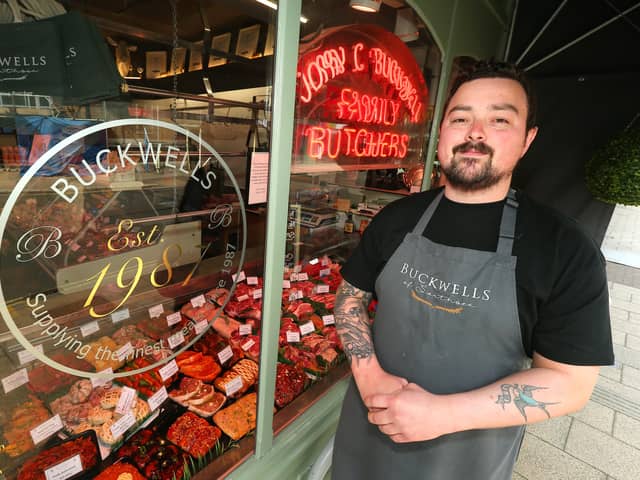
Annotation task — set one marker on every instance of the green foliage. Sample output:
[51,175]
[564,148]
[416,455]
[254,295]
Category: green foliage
[613,173]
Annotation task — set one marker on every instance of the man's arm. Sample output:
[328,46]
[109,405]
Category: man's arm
[354,330]
[548,389]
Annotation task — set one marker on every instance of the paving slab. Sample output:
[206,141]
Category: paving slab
[517,476]
[626,326]
[613,372]
[541,461]
[553,431]
[633,342]
[597,416]
[627,356]
[620,389]
[627,429]
[618,313]
[631,376]
[603,452]
[618,337]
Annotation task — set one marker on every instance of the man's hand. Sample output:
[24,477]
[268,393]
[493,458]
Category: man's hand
[409,415]
[372,380]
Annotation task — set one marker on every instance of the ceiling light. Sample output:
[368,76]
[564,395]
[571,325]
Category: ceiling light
[370,6]
[274,6]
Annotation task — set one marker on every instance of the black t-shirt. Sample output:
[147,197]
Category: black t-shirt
[563,299]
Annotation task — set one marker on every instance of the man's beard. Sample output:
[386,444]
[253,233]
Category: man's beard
[472,173]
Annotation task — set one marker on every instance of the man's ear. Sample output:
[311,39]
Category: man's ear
[528,139]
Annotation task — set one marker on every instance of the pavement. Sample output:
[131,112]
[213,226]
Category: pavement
[601,442]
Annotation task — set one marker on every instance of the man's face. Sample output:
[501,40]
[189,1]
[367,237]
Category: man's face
[483,133]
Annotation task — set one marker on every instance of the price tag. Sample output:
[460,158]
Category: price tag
[325,261]
[156,311]
[46,429]
[248,344]
[257,293]
[123,314]
[25,356]
[198,301]
[299,295]
[124,351]
[15,380]
[157,398]
[303,276]
[328,320]
[238,277]
[233,386]
[307,328]
[176,339]
[243,298]
[293,277]
[297,268]
[104,377]
[89,328]
[286,284]
[325,272]
[252,280]
[174,318]
[200,327]
[64,470]
[293,296]
[313,261]
[245,329]
[169,370]
[322,288]
[225,354]
[127,398]
[125,423]
[293,337]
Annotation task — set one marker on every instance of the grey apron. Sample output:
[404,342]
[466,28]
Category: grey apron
[447,320]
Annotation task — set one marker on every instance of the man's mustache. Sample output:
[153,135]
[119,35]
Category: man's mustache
[480,147]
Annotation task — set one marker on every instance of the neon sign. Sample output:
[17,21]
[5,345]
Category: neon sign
[352,142]
[364,108]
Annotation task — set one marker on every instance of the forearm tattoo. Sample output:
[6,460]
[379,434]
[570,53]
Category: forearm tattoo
[522,396]
[352,321]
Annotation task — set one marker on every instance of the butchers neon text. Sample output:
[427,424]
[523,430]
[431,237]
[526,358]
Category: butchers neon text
[332,143]
[109,162]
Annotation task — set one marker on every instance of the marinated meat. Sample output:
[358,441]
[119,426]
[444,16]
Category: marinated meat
[193,434]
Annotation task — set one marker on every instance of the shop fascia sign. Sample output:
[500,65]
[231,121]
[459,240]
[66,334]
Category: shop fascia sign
[342,82]
[130,255]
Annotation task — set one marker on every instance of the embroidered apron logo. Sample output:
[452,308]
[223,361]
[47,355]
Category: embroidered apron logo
[424,285]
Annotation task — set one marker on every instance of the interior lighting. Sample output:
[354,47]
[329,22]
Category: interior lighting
[274,6]
[370,6]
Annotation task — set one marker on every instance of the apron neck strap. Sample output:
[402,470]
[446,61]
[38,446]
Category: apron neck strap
[507,223]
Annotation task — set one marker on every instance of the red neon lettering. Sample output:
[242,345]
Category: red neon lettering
[328,142]
[349,133]
[316,145]
[384,146]
[325,66]
[373,147]
[404,139]
[366,108]
[336,136]
[358,66]
[393,145]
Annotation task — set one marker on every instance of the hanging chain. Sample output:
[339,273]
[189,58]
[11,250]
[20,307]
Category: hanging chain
[174,57]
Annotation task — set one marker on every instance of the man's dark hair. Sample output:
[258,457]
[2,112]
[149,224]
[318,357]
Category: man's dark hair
[476,69]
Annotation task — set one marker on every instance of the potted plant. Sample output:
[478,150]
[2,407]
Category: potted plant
[613,173]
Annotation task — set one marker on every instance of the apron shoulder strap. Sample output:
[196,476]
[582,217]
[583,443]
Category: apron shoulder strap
[428,213]
[508,224]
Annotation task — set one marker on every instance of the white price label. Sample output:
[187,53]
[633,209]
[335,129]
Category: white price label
[122,425]
[238,277]
[297,268]
[257,293]
[157,398]
[64,470]
[200,327]
[89,328]
[248,344]
[286,284]
[328,320]
[225,354]
[313,261]
[124,351]
[156,311]
[322,288]
[127,398]
[299,295]
[198,301]
[233,385]
[121,315]
[293,296]
[25,356]
[15,380]
[103,377]
[293,277]
[307,328]
[169,370]
[293,337]
[176,339]
[243,298]
[303,276]
[252,280]
[245,330]
[325,272]
[174,318]
[46,429]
